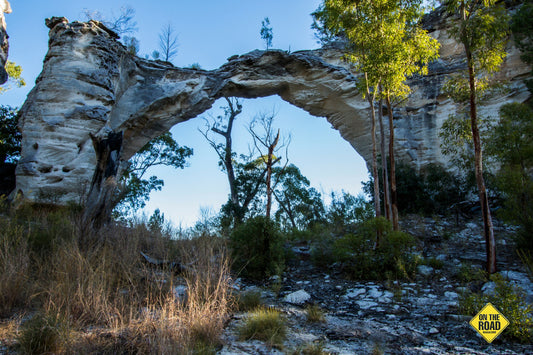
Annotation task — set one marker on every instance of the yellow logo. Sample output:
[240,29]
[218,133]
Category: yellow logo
[489,322]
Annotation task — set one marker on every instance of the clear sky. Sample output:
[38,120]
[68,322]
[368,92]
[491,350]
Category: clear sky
[209,32]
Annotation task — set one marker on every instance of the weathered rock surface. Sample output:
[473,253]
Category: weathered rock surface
[5,8]
[90,84]
[420,315]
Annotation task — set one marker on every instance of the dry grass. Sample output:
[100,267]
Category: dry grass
[315,314]
[108,299]
[14,267]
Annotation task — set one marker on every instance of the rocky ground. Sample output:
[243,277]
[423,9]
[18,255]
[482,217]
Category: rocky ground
[417,316]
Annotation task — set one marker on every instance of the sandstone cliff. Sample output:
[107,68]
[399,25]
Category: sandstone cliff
[90,85]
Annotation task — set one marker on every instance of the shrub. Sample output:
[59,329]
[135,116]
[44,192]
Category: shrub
[469,273]
[510,301]
[430,191]
[347,210]
[248,300]
[363,257]
[264,324]
[42,334]
[257,248]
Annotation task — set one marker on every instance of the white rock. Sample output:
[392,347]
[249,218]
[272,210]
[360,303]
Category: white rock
[298,297]
[180,291]
[451,295]
[355,292]
[425,270]
[488,288]
[374,293]
[366,304]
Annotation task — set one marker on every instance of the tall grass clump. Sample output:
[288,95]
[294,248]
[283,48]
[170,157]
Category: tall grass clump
[42,334]
[15,287]
[264,324]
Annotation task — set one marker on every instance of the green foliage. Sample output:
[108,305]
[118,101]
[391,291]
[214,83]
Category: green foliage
[434,263]
[431,191]
[510,301]
[483,28]
[322,251]
[266,32]
[347,210]
[509,142]
[132,44]
[14,72]
[263,324]
[385,41]
[135,189]
[42,334]
[248,300]
[257,248]
[10,136]
[300,205]
[363,258]
[468,273]
[522,28]
[456,141]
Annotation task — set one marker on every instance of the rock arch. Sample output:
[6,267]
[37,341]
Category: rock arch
[90,86]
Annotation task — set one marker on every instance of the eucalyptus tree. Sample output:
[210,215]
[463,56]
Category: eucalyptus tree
[482,28]
[352,20]
[266,32]
[14,73]
[409,50]
[385,43]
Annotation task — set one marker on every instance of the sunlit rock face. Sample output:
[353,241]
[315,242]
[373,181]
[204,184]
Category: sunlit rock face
[91,85]
[5,8]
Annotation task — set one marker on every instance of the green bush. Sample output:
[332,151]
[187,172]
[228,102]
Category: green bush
[257,248]
[363,256]
[510,301]
[264,324]
[42,334]
[322,251]
[430,191]
[248,300]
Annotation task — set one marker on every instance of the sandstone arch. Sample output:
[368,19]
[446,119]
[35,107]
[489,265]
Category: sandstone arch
[91,86]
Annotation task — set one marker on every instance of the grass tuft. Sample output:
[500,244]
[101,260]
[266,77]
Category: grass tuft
[315,314]
[266,325]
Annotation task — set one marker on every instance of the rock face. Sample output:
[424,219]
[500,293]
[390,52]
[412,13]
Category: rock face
[91,85]
[5,8]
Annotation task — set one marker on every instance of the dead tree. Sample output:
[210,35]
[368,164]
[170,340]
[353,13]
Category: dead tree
[99,203]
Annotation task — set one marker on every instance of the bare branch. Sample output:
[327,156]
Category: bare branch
[168,42]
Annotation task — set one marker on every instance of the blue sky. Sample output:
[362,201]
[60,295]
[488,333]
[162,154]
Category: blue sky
[209,32]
